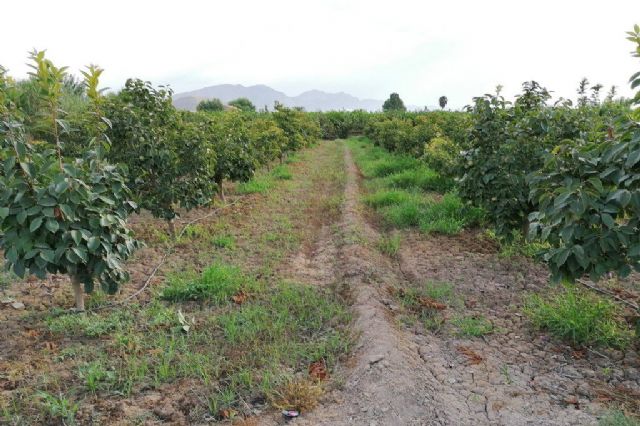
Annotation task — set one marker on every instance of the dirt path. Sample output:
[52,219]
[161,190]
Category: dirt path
[403,378]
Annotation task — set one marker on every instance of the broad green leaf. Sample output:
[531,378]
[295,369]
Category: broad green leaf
[35,224]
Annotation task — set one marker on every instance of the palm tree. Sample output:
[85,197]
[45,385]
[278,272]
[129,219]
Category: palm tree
[443,101]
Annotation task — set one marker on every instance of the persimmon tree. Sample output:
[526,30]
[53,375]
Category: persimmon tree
[236,160]
[61,215]
[300,128]
[267,139]
[170,164]
[588,195]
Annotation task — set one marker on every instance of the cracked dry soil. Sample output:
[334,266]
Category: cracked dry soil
[400,375]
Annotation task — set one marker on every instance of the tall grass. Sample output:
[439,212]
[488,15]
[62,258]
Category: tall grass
[402,192]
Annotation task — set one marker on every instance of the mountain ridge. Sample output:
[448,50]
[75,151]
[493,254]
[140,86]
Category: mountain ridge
[264,96]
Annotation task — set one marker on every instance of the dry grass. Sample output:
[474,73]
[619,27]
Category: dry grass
[297,394]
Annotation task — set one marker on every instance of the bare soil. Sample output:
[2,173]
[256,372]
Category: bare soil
[399,374]
[406,375]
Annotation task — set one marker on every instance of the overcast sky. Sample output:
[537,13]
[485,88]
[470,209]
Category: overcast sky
[367,48]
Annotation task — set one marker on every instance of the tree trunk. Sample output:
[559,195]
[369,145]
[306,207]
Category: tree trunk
[172,228]
[220,189]
[78,292]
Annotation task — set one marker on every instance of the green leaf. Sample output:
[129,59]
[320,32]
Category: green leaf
[21,217]
[608,220]
[93,243]
[622,196]
[48,255]
[4,212]
[634,251]
[52,225]
[76,236]
[12,255]
[81,253]
[633,158]
[35,224]
[47,202]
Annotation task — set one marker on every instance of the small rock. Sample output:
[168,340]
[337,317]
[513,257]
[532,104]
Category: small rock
[375,359]
[616,355]
[17,305]
[585,390]
[632,373]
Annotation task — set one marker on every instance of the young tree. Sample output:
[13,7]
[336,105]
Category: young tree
[243,104]
[267,139]
[61,215]
[300,129]
[394,103]
[236,160]
[169,162]
[583,86]
[210,105]
[589,201]
[443,101]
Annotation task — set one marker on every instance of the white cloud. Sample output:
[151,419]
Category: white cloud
[367,48]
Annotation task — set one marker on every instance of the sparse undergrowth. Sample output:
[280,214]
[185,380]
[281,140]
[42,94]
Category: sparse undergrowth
[235,336]
[579,317]
[427,303]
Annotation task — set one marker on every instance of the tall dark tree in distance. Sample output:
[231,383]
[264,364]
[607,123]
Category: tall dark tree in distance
[443,101]
[243,104]
[210,105]
[394,103]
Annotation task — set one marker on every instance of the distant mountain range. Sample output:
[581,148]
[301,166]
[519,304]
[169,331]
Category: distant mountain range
[261,96]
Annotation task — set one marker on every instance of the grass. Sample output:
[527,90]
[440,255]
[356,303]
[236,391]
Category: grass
[282,172]
[472,326]
[421,177]
[217,284]
[6,279]
[389,245]
[427,303]
[617,418]
[224,241]
[516,245]
[88,324]
[58,408]
[407,209]
[256,185]
[389,197]
[401,191]
[389,165]
[579,317]
[229,355]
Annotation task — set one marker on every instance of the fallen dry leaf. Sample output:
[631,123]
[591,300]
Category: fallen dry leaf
[228,413]
[428,302]
[579,354]
[240,297]
[470,303]
[32,333]
[572,400]
[473,357]
[318,370]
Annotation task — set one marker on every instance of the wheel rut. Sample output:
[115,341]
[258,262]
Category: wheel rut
[387,384]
